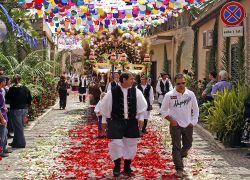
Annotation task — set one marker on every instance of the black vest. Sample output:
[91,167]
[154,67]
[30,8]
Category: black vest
[146,94]
[118,105]
[162,87]
[113,84]
[118,127]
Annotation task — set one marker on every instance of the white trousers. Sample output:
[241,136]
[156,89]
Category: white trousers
[147,115]
[160,99]
[126,148]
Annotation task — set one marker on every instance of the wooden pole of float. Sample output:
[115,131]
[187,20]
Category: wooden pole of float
[113,59]
[113,70]
[91,71]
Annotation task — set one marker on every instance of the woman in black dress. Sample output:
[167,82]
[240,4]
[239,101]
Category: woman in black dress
[62,90]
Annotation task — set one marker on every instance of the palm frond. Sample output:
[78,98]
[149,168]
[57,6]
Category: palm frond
[34,57]
[6,62]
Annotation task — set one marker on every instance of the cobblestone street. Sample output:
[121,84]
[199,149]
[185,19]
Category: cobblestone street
[56,133]
[124,89]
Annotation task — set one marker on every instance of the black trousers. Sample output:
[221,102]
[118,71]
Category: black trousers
[63,98]
[117,129]
[82,91]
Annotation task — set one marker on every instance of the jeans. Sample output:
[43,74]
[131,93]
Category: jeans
[3,138]
[182,139]
[17,116]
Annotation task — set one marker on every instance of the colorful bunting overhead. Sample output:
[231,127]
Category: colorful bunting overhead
[20,31]
[79,17]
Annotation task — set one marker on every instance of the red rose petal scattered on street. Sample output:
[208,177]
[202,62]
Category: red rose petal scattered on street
[87,156]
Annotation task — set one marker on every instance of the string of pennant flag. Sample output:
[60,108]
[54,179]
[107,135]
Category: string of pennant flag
[81,17]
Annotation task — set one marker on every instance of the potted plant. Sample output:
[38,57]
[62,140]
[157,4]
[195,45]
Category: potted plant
[225,117]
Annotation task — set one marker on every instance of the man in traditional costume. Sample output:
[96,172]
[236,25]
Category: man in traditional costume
[75,81]
[113,83]
[94,90]
[124,107]
[83,83]
[163,86]
[148,93]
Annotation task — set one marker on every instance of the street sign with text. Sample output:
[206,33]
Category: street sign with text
[233,31]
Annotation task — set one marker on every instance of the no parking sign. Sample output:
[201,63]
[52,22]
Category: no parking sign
[232,13]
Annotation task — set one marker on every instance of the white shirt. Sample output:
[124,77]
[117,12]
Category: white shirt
[182,107]
[84,79]
[106,105]
[97,109]
[151,100]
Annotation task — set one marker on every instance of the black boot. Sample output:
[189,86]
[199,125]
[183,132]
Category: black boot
[144,126]
[80,98]
[127,169]
[117,168]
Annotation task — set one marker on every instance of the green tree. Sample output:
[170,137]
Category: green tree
[226,54]
[166,67]
[212,63]
[178,57]
[32,66]
[240,53]
[195,55]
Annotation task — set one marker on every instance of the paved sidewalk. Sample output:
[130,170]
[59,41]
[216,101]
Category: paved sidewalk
[46,139]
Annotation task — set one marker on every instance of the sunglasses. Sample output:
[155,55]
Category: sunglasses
[180,83]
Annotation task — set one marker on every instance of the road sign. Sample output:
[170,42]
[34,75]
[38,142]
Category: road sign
[233,31]
[232,13]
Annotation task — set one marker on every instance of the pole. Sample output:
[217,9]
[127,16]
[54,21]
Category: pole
[173,58]
[113,69]
[91,71]
[246,48]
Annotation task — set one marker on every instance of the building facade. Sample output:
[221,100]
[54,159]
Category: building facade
[171,43]
[229,50]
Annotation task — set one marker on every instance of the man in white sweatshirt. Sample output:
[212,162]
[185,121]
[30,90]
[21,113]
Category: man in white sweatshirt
[180,108]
